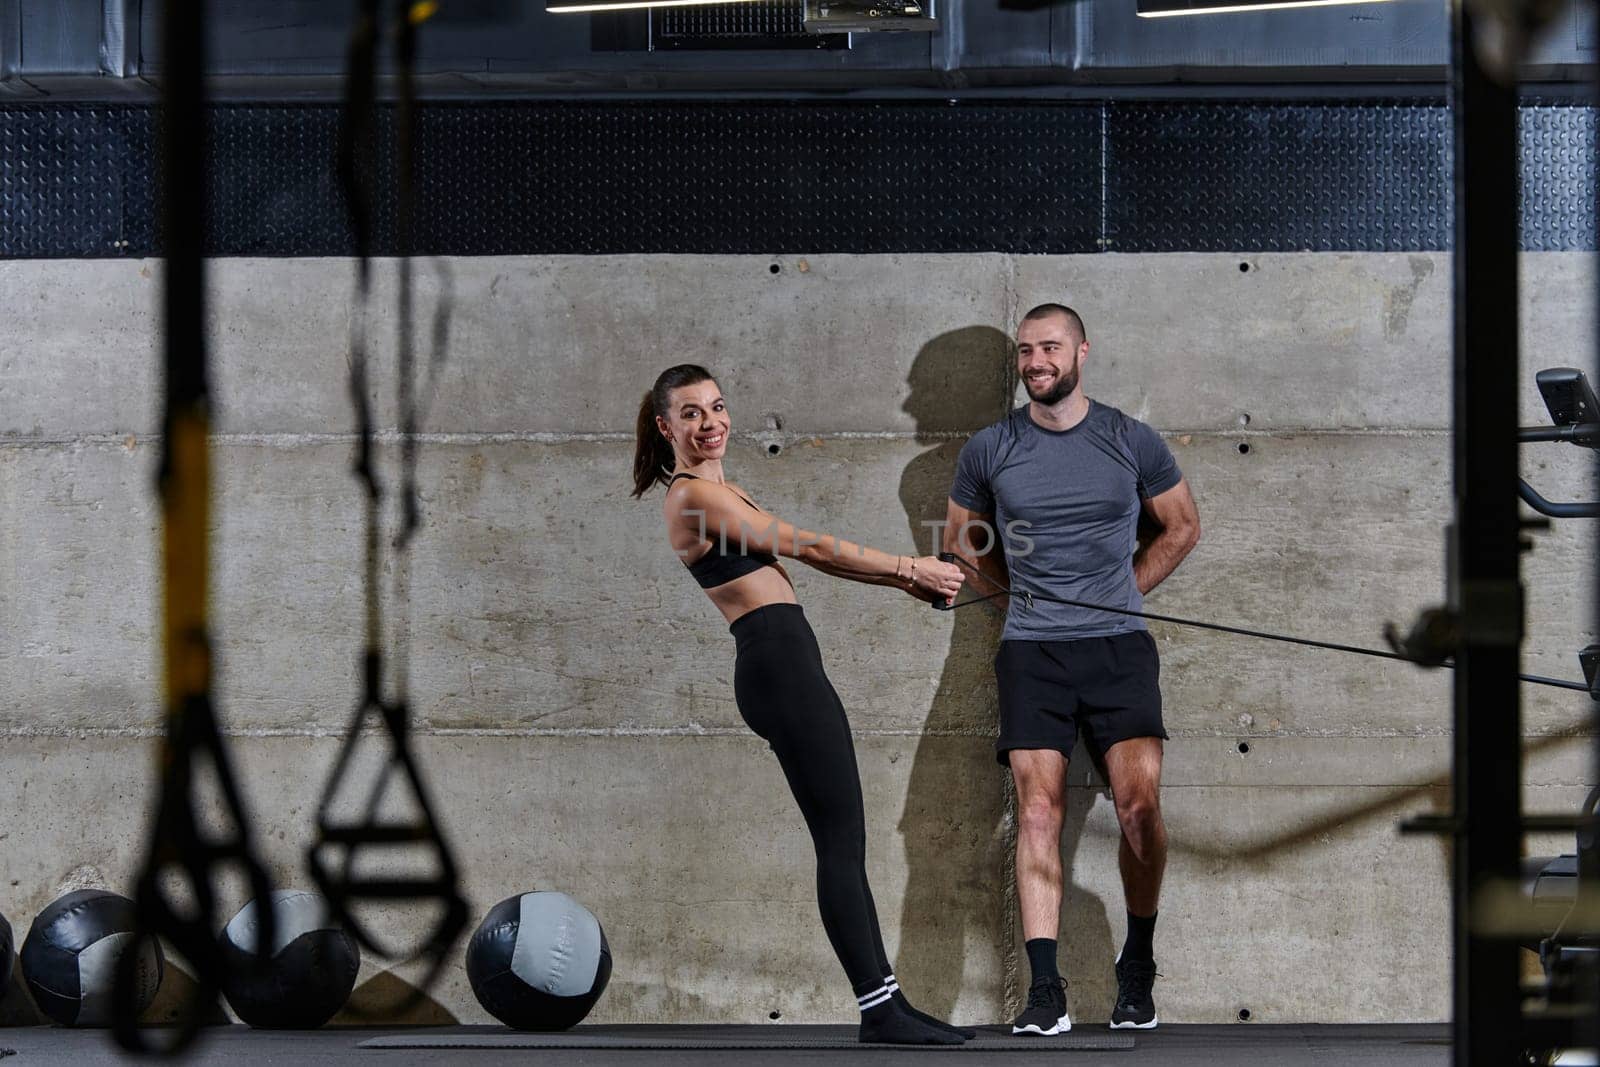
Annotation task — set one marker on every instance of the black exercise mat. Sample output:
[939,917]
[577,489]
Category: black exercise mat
[733,1038]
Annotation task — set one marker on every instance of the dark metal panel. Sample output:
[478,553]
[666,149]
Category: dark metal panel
[67,179]
[978,43]
[488,38]
[580,179]
[246,36]
[757,178]
[61,36]
[997,37]
[274,188]
[512,178]
[1257,178]
[139,151]
[10,38]
[1558,178]
[1570,39]
[1404,33]
[120,35]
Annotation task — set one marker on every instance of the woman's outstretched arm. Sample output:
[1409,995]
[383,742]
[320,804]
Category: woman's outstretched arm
[720,514]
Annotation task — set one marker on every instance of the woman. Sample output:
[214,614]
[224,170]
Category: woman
[731,547]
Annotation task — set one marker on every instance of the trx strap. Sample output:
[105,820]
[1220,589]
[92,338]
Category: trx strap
[1027,598]
[332,859]
[184,853]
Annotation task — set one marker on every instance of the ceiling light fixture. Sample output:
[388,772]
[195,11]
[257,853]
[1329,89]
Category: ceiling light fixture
[575,7]
[1160,9]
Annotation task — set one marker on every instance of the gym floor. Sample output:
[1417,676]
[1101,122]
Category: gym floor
[670,1046]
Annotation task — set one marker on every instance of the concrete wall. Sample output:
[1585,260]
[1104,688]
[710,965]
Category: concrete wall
[573,688]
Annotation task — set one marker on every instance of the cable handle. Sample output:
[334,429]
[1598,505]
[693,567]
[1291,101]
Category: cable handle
[945,605]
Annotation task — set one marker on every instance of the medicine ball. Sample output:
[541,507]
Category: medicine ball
[309,973]
[539,961]
[69,958]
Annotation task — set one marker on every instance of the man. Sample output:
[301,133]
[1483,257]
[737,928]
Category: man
[1049,501]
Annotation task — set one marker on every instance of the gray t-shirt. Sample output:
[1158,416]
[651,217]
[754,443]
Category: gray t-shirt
[1066,505]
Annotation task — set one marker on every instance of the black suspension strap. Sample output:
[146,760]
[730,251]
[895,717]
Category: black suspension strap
[340,843]
[175,892]
[1028,598]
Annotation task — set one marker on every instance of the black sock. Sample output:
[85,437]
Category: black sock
[1042,957]
[1140,944]
[886,1019]
[900,998]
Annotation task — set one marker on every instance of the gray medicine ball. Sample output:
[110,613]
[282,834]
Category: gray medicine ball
[69,958]
[538,961]
[309,973]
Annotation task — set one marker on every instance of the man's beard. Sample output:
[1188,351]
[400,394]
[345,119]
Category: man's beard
[1066,382]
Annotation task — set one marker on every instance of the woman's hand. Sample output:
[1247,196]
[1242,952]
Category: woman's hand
[931,579]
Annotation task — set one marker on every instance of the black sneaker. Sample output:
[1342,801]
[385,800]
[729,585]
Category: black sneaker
[1136,1008]
[1046,1013]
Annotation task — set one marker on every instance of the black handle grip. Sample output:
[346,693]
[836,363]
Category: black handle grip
[945,605]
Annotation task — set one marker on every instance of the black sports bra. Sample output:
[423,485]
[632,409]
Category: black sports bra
[723,563]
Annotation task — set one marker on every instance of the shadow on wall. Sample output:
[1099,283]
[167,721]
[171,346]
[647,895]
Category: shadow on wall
[959,907]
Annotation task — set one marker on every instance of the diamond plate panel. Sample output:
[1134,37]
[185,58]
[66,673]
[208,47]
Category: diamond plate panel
[274,182]
[753,178]
[524,178]
[65,180]
[1262,178]
[1558,178]
[141,186]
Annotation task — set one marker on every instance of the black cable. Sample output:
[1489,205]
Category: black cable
[1333,646]
[332,857]
[175,895]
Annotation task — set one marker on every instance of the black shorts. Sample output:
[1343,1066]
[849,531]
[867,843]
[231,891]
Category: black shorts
[1107,687]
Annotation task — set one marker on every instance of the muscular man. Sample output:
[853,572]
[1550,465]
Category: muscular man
[1048,501]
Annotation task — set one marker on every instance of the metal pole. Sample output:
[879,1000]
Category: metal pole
[1485,589]
[1588,861]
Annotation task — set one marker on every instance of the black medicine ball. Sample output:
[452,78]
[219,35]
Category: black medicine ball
[309,973]
[539,961]
[69,958]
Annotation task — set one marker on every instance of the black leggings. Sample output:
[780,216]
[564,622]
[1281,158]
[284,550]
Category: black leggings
[786,698]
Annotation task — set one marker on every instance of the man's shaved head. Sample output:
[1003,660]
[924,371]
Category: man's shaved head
[1074,320]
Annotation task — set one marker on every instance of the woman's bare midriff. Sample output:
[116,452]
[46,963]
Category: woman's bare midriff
[769,585]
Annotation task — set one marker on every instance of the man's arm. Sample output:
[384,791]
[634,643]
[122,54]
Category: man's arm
[987,572]
[1177,530]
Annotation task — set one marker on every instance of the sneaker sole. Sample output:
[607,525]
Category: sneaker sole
[1151,1025]
[1063,1025]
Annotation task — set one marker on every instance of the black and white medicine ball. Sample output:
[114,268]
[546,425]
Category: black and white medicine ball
[69,958]
[539,961]
[308,974]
